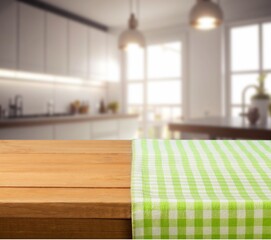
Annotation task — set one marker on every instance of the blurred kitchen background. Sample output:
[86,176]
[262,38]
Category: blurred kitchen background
[123,69]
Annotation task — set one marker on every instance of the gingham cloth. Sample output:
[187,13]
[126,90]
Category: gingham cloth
[201,189]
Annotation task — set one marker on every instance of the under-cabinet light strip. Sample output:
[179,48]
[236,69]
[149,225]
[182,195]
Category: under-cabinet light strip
[4,73]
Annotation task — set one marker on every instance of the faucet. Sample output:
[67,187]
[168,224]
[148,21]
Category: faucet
[243,113]
[16,108]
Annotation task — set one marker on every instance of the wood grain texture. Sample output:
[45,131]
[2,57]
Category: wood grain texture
[65,147]
[64,228]
[58,189]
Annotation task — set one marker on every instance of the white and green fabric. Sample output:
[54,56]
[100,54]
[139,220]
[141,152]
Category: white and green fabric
[201,189]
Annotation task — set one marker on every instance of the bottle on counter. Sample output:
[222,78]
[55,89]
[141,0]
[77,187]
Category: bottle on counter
[50,107]
[2,112]
[102,108]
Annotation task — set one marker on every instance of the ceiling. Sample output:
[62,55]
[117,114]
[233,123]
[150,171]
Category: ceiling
[114,13]
[156,13]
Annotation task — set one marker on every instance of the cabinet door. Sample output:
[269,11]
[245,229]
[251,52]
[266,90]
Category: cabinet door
[128,128]
[8,34]
[27,133]
[56,44]
[113,59]
[104,129]
[78,49]
[31,38]
[98,55]
[72,131]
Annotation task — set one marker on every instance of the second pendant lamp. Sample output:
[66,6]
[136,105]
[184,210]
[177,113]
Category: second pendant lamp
[206,15]
[132,37]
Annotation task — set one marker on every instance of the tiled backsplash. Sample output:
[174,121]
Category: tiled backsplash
[36,95]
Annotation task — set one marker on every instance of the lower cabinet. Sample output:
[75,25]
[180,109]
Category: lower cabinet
[72,131]
[28,133]
[104,129]
[128,129]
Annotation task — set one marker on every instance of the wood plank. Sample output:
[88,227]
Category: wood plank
[64,228]
[63,170]
[66,210]
[64,225]
[65,195]
[65,235]
[64,189]
[65,146]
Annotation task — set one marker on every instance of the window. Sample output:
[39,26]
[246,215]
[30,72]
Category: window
[154,86]
[250,48]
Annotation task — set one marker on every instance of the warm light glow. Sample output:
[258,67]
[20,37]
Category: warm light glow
[132,47]
[70,80]
[206,23]
[38,77]
[33,76]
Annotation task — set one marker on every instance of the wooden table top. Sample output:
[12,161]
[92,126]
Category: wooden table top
[65,179]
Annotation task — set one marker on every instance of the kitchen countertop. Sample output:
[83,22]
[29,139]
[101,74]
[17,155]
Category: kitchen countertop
[19,122]
[222,127]
[65,189]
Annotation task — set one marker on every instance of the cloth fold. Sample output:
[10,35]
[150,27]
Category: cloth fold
[201,189]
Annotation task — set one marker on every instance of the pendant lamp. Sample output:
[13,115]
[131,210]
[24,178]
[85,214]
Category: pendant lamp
[132,37]
[206,15]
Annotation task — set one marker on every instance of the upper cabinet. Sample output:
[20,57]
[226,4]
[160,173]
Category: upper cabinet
[8,34]
[31,38]
[113,59]
[78,50]
[97,54]
[34,40]
[56,53]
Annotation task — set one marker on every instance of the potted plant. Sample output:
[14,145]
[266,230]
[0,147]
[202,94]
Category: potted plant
[261,99]
[113,106]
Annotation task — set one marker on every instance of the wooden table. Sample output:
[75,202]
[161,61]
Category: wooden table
[65,189]
[219,127]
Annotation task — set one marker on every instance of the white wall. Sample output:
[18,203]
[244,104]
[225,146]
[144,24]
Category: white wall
[36,95]
[204,73]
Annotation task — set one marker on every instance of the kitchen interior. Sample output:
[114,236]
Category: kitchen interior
[99,69]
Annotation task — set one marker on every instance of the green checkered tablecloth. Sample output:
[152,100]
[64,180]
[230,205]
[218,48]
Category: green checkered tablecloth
[201,189]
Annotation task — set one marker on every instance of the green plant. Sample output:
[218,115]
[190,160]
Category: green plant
[113,106]
[261,93]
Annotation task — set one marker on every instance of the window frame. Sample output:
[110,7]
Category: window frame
[227,85]
[184,90]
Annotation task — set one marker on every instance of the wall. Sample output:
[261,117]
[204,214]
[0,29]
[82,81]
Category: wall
[36,95]
[204,73]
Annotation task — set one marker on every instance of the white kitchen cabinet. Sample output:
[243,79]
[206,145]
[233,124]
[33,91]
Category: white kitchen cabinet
[104,129]
[113,59]
[8,34]
[56,52]
[128,128]
[78,49]
[27,133]
[31,38]
[97,54]
[72,131]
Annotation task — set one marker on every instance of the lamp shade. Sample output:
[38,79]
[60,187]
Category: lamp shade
[206,15]
[131,36]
